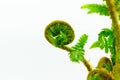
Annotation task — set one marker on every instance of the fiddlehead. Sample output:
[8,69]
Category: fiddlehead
[59,33]
[99,74]
[103,70]
[105,63]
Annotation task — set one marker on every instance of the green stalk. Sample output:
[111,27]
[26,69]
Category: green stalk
[115,23]
[87,64]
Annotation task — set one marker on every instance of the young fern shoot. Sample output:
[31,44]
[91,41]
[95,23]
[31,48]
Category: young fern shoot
[59,33]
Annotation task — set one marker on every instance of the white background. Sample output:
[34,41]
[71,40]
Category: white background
[24,52]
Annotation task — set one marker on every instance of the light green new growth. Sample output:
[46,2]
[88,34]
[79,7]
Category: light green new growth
[81,42]
[77,54]
[96,8]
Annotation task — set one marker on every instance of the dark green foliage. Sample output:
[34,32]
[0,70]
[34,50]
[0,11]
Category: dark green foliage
[59,33]
[106,42]
[101,9]
[105,39]
[77,54]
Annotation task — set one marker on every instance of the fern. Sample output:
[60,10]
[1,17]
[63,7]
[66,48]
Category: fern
[106,42]
[81,42]
[106,39]
[95,45]
[77,54]
[61,39]
[101,9]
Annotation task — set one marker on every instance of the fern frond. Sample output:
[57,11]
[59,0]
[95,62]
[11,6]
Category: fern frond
[95,45]
[59,33]
[106,42]
[105,38]
[101,9]
[81,42]
[76,55]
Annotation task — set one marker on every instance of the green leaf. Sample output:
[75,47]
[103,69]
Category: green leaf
[106,42]
[101,40]
[105,38]
[106,46]
[76,55]
[101,9]
[110,40]
[106,32]
[81,42]
[95,45]
[112,50]
[61,39]
[53,40]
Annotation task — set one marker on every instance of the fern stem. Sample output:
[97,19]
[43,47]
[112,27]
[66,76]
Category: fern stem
[115,22]
[66,48]
[116,25]
[85,62]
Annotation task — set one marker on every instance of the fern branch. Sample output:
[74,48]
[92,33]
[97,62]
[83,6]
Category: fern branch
[101,9]
[81,42]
